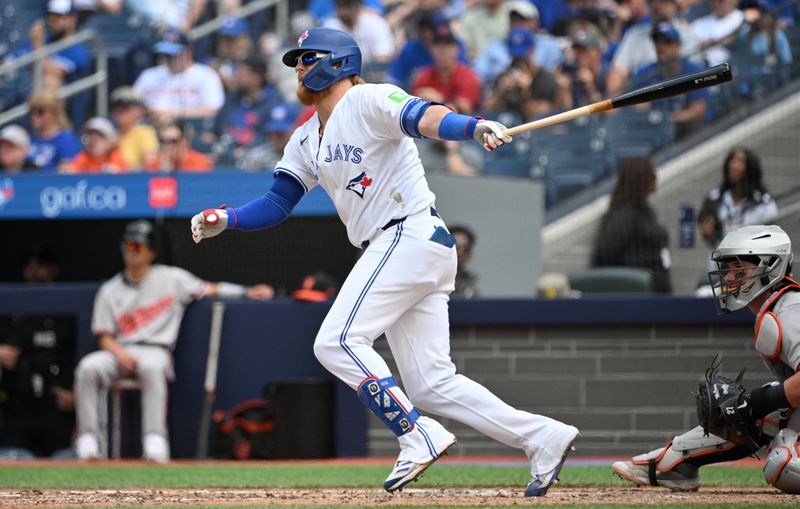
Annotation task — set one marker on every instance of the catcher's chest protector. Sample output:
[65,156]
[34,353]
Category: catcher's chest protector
[769,336]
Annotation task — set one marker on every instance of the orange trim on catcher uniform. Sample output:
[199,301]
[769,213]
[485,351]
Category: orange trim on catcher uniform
[682,458]
[780,470]
[658,458]
[780,335]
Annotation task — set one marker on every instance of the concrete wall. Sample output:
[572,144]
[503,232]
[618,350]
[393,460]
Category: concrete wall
[626,387]
[686,179]
[506,215]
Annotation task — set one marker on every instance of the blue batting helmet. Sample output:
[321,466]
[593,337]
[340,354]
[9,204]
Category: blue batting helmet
[343,57]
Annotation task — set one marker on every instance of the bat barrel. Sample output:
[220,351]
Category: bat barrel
[675,86]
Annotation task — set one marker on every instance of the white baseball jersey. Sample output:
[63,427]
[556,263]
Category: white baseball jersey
[199,86]
[149,311]
[365,162]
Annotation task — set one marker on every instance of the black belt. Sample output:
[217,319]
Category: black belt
[394,222]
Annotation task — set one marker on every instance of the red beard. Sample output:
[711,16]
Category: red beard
[308,97]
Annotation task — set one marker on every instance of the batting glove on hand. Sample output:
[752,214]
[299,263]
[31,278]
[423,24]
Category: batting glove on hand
[208,223]
[490,134]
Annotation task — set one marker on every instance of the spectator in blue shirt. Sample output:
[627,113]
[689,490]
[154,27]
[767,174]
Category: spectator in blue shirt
[66,65]
[324,9]
[243,118]
[495,58]
[550,11]
[686,110]
[416,53]
[53,143]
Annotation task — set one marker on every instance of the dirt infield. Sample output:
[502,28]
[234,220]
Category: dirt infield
[754,497]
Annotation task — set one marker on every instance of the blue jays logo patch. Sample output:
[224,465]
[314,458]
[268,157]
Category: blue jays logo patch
[359,184]
[302,38]
[6,192]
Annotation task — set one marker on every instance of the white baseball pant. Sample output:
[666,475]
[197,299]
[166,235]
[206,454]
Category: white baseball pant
[99,369]
[400,287]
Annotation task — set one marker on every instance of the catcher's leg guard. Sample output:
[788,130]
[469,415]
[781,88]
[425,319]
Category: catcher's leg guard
[676,465]
[782,467]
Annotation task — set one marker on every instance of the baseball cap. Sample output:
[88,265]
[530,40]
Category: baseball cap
[317,287]
[172,43]
[281,118]
[126,95]
[587,39]
[443,34]
[666,30]
[140,231]
[101,125]
[520,43]
[16,135]
[233,27]
[257,64]
[524,8]
[431,19]
[62,7]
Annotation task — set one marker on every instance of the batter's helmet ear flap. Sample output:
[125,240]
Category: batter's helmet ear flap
[343,60]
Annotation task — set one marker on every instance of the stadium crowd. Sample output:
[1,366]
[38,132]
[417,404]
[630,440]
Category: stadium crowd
[224,101]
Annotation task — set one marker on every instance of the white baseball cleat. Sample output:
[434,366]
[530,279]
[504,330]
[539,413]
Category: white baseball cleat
[156,448]
[639,474]
[407,468]
[87,448]
[405,471]
[542,482]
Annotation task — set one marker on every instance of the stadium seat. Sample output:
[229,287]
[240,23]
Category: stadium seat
[612,280]
[127,38]
[509,160]
[635,133]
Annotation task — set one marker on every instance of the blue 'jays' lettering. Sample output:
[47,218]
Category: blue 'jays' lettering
[344,152]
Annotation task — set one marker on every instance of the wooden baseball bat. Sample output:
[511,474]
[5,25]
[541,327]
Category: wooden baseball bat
[661,90]
[210,385]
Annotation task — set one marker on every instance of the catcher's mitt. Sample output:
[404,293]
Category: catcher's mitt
[723,407]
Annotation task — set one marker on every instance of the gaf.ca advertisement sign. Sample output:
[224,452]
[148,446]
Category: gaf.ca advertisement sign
[82,198]
[42,195]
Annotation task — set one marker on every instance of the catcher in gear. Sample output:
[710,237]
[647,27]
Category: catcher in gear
[754,265]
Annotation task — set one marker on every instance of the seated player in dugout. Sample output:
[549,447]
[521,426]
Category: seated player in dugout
[358,146]
[136,319]
[754,265]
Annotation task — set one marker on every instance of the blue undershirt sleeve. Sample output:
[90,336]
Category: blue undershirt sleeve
[268,210]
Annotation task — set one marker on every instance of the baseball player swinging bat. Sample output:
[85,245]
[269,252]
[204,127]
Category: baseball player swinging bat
[210,385]
[667,88]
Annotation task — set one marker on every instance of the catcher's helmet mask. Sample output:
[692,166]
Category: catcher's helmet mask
[767,250]
[343,58]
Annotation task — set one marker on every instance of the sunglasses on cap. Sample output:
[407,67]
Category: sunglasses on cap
[309,57]
[135,246]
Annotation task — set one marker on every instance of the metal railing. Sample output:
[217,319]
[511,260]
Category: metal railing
[98,79]
[281,18]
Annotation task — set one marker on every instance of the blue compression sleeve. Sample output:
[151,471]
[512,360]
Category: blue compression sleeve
[457,127]
[270,209]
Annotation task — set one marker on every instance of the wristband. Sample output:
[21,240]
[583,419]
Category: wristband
[767,399]
[230,290]
[457,127]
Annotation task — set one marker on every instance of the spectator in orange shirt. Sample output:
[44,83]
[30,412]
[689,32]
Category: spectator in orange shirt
[100,153]
[448,80]
[176,154]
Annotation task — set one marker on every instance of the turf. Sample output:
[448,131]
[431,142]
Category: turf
[80,476]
